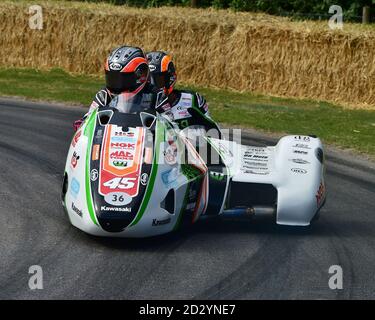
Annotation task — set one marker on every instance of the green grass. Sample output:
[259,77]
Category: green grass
[53,85]
[354,129]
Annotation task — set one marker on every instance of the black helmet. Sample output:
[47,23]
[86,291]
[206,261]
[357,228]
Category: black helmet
[126,70]
[163,71]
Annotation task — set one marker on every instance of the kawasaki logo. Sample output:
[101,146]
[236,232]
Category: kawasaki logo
[156,222]
[116,209]
[76,210]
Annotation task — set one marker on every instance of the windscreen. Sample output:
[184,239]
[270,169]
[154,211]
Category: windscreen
[130,103]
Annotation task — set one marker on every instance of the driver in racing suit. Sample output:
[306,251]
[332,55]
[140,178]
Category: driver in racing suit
[126,72]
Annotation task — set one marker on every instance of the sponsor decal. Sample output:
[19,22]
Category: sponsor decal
[120,133]
[255,160]
[94,175]
[156,222]
[170,158]
[122,139]
[76,210]
[76,138]
[99,134]
[170,176]
[255,156]
[115,66]
[258,157]
[152,67]
[301,146]
[74,187]
[122,154]
[74,160]
[251,150]
[181,115]
[170,154]
[117,198]
[148,155]
[320,194]
[300,152]
[302,138]
[123,145]
[256,172]
[120,163]
[255,164]
[180,112]
[115,209]
[298,170]
[120,183]
[299,161]
[95,152]
[246,167]
[169,115]
[144,178]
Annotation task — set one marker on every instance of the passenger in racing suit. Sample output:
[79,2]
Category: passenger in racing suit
[126,72]
[182,107]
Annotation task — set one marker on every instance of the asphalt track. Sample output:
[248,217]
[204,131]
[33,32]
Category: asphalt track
[212,260]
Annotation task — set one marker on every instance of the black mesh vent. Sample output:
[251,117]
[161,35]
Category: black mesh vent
[251,194]
[168,202]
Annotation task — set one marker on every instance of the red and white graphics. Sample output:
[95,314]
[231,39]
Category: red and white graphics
[121,163]
[76,138]
[195,159]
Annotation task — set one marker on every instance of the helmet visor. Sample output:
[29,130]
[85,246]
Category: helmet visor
[158,79]
[118,82]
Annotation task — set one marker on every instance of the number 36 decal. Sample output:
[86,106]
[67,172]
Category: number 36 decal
[117,198]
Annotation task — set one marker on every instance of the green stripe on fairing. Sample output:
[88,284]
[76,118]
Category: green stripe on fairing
[160,127]
[89,132]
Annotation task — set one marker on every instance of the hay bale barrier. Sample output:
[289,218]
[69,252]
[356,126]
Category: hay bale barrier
[241,51]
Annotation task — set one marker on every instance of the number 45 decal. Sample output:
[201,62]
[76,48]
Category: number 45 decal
[120,183]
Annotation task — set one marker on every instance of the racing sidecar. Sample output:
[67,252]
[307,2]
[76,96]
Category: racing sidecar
[131,172]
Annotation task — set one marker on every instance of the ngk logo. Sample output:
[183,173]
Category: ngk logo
[122,145]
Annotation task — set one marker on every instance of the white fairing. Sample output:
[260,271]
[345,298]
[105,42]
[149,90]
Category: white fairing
[292,167]
[154,221]
[75,199]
